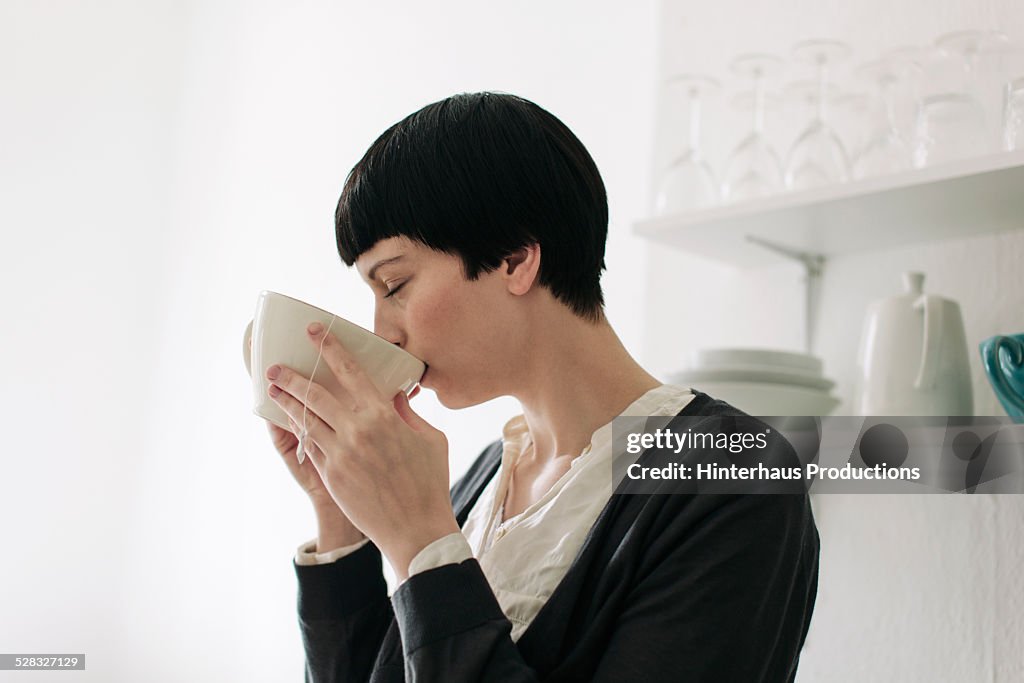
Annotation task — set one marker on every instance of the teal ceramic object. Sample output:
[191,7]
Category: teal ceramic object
[1003,358]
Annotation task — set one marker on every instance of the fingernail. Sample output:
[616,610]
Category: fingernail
[274,390]
[273,371]
[315,328]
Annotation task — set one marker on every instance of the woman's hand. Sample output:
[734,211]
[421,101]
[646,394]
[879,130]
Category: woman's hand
[286,444]
[334,529]
[384,465]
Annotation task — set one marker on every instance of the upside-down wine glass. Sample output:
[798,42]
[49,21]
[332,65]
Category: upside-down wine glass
[952,121]
[753,169]
[886,149]
[689,182]
[818,157]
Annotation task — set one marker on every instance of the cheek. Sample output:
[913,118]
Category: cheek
[433,318]
[456,319]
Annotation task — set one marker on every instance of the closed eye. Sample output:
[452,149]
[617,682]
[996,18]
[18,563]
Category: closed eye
[392,292]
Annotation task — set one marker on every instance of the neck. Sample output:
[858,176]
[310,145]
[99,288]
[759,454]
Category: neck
[578,377]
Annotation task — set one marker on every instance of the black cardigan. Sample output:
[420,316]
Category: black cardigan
[667,587]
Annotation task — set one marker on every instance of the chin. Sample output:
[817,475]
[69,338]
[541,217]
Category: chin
[452,400]
[449,401]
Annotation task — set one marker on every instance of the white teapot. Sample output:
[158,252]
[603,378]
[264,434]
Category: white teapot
[912,358]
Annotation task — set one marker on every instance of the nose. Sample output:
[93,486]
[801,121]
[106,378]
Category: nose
[385,326]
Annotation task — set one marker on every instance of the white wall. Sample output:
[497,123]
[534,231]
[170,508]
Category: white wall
[913,588]
[87,99]
[162,163]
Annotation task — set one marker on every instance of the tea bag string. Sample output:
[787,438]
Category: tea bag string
[300,451]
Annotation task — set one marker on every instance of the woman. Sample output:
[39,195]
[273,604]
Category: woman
[479,223]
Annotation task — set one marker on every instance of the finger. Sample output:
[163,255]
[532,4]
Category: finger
[309,393]
[280,436]
[317,457]
[408,415]
[342,363]
[316,428]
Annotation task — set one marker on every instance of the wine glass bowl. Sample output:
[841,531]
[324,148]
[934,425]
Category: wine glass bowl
[967,49]
[950,126]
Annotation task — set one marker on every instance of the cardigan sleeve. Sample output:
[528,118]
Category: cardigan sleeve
[453,629]
[343,606]
[724,593]
[344,612]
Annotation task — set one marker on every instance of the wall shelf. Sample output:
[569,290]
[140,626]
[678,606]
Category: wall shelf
[960,199]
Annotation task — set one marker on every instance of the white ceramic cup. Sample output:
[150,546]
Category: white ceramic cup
[277,335]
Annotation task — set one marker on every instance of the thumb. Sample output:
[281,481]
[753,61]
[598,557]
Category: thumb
[408,415]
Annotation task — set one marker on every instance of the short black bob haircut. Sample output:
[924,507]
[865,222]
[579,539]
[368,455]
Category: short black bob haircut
[480,175]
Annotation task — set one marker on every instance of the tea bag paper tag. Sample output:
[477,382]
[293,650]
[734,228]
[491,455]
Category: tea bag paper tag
[300,451]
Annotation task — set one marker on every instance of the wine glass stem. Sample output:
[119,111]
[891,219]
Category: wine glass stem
[758,103]
[695,122]
[971,68]
[971,63]
[889,102]
[822,76]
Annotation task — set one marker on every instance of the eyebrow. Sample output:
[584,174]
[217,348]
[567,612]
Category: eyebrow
[378,264]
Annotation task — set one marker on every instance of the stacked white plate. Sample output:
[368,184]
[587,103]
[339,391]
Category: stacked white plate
[760,381]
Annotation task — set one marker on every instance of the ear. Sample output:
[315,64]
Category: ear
[521,269]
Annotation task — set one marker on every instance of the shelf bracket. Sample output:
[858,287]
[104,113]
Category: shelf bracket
[814,265]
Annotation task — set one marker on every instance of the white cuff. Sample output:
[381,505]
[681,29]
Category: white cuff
[307,554]
[450,549]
